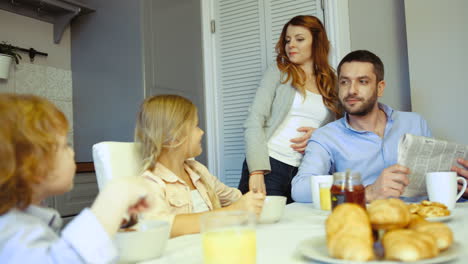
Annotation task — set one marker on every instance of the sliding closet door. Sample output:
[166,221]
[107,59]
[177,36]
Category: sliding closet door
[246,32]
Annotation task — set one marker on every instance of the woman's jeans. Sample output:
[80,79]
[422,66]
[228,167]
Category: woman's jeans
[277,182]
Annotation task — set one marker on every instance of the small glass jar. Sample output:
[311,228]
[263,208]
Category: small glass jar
[347,188]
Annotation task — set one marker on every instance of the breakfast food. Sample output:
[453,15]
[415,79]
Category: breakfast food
[429,209]
[406,234]
[441,232]
[388,214]
[409,245]
[349,233]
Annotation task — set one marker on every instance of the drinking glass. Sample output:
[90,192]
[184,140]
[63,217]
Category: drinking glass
[325,195]
[229,237]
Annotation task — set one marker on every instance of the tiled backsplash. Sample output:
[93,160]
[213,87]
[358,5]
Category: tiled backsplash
[49,82]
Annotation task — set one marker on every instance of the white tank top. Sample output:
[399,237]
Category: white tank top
[310,112]
[198,203]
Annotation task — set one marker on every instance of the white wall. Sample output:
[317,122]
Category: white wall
[379,26]
[438,56]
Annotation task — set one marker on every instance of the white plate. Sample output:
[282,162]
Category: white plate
[440,218]
[316,249]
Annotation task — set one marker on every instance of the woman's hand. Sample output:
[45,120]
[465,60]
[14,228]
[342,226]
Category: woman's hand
[251,202]
[300,143]
[257,182]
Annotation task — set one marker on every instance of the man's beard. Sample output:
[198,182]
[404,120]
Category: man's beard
[365,108]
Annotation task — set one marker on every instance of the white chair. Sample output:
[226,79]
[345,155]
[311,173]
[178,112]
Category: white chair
[116,159]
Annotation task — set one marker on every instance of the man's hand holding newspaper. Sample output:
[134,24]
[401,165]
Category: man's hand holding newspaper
[423,154]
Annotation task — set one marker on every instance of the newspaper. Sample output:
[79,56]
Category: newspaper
[423,154]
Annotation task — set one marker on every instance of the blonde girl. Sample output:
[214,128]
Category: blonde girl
[36,163]
[183,189]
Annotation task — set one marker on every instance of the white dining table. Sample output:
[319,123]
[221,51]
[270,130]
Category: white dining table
[279,242]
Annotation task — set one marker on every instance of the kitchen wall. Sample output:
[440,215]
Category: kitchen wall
[49,76]
[173,55]
[107,73]
[437,49]
[379,26]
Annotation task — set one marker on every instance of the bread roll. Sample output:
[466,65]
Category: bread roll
[388,214]
[409,245]
[416,219]
[442,234]
[349,233]
[350,247]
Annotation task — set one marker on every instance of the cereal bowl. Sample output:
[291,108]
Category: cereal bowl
[147,240]
[272,209]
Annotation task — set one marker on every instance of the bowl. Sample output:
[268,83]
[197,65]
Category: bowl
[147,242]
[272,209]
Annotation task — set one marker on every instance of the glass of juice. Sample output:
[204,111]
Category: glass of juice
[325,195]
[229,237]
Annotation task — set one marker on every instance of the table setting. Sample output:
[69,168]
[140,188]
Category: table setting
[300,232]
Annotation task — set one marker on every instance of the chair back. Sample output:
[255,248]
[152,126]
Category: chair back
[116,159]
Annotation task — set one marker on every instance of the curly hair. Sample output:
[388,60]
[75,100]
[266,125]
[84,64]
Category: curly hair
[325,75]
[29,138]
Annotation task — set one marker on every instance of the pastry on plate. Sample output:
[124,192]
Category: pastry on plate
[349,233]
[388,214]
[429,209]
[409,245]
[440,231]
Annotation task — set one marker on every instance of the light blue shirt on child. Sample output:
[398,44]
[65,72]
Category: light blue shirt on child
[338,147]
[31,236]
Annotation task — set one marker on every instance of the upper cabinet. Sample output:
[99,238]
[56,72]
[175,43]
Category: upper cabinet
[57,12]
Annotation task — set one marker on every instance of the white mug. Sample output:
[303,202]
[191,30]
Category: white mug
[442,187]
[315,189]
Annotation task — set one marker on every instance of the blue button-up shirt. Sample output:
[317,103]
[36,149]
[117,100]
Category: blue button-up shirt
[31,236]
[337,147]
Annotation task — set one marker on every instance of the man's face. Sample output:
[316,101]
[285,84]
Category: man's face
[358,88]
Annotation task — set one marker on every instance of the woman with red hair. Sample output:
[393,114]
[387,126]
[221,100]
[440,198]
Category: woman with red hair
[296,96]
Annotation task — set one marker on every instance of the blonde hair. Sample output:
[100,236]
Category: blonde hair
[164,122]
[28,135]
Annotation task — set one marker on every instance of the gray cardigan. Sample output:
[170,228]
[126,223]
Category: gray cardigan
[271,104]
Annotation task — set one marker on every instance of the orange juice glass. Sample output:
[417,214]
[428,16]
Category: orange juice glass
[325,195]
[229,237]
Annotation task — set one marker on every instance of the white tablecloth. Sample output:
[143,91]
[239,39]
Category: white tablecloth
[277,243]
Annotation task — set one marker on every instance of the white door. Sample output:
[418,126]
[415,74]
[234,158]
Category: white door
[244,34]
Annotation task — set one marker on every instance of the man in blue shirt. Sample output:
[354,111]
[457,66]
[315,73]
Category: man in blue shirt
[366,139]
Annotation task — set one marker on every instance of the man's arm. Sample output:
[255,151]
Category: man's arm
[463,172]
[316,161]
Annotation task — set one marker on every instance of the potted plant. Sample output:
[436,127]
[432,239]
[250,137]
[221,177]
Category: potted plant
[8,53]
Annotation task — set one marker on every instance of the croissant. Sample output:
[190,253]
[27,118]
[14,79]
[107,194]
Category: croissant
[349,233]
[441,232]
[388,214]
[416,219]
[409,245]
[350,247]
